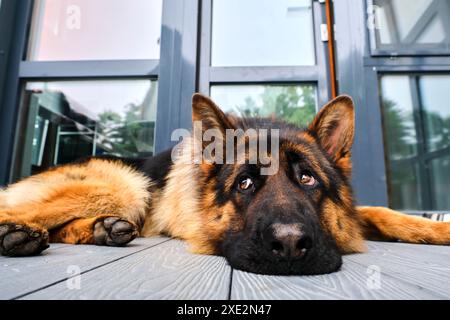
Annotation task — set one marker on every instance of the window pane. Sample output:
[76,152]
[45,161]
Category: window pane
[436,110]
[400,139]
[416,121]
[404,187]
[95,30]
[417,24]
[262,33]
[67,120]
[440,177]
[293,103]
[398,119]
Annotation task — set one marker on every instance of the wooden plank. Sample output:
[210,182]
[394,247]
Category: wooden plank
[23,275]
[353,281]
[431,251]
[349,283]
[167,271]
[415,264]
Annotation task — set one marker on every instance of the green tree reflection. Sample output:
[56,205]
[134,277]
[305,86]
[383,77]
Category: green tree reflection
[400,138]
[295,105]
[126,135]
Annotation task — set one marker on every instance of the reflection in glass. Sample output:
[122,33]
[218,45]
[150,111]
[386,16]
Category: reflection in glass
[67,120]
[404,187]
[418,24]
[397,110]
[95,30]
[434,91]
[416,121]
[440,177]
[293,103]
[262,33]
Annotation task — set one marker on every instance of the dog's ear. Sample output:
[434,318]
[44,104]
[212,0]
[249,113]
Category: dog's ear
[334,126]
[210,115]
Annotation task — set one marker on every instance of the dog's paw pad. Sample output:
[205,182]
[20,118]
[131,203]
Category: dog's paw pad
[18,240]
[114,231]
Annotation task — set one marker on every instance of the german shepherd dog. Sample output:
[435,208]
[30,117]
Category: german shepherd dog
[299,220]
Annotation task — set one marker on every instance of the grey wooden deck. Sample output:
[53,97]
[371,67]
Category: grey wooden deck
[160,268]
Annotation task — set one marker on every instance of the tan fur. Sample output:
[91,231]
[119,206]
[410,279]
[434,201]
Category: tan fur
[345,230]
[386,224]
[78,231]
[177,211]
[98,187]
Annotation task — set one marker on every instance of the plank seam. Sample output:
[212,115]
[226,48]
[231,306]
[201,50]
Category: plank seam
[230,288]
[400,245]
[86,271]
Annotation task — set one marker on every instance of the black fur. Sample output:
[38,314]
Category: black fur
[157,167]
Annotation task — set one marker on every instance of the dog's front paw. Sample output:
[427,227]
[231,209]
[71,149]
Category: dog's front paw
[114,231]
[17,240]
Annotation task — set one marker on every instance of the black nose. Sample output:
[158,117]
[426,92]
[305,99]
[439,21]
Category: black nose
[287,240]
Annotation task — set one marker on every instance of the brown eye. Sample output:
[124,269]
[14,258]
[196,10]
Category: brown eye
[246,184]
[307,179]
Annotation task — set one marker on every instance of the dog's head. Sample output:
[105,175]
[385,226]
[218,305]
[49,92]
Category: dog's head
[296,219]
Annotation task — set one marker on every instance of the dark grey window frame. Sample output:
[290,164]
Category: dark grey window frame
[410,50]
[317,74]
[175,71]
[13,22]
[359,72]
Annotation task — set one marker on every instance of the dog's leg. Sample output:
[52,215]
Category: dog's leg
[102,230]
[113,218]
[386,224]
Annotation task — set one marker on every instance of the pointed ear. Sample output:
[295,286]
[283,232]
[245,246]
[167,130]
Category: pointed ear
[334,127]
[206,111]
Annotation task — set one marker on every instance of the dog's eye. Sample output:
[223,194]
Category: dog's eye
[307,179]
[245,184]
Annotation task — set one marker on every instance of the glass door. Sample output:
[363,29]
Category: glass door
[264,57]
[416,123]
